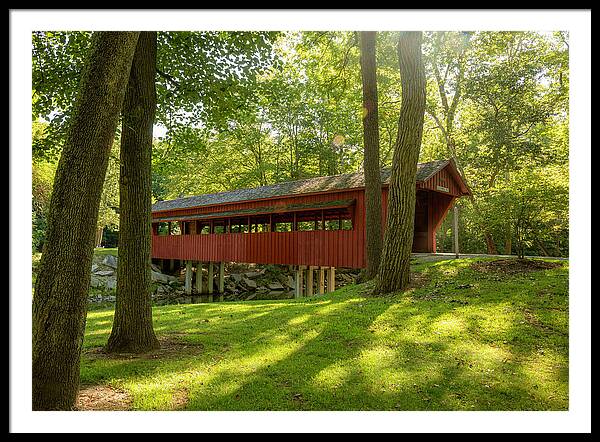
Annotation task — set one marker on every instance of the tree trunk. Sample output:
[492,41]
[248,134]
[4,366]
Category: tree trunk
[455,230]
[132,330]
[371,148]
[394,269]
[541,245]
[60,298]
[440,246]
[99,232]
[489,243]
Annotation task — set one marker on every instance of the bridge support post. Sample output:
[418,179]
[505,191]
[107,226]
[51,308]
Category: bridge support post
[221,280]
[211,273]
[299,281]
[331,280]
[455,229]
[199,277]
[188,277]
[321,280]
[309,281]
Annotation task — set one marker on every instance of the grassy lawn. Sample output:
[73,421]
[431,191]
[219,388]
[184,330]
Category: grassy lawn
[465,339]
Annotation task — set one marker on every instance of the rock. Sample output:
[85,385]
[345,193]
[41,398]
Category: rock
[161,289]
[252,296]
[252,275]
[161,277]
[186,300]
[275,286]
[96,282]
[110,261]
[94,267]
[250,283]
[105,272]
[111,283]
[290,282]
[110,298]
[155,268]
[236,277]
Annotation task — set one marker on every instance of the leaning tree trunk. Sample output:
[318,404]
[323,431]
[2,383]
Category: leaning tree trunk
[371,146]
[132,329]
[60,297]
[394,269]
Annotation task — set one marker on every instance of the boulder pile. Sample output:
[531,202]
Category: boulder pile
[242,282]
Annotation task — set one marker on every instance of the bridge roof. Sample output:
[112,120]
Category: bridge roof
[298,187]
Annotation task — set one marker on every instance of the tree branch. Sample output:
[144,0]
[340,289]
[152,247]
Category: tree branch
[168,77]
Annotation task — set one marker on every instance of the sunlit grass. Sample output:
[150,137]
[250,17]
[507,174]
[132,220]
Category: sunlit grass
[465,340]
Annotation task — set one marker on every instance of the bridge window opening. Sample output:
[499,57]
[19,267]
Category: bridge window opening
[174,228]
[260,223]
[335,218]
[162,228]
[220,228]
[306,225]
[239,225]
[332,225]
[283,227]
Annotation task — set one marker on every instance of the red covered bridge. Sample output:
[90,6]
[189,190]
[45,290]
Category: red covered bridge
[311,223]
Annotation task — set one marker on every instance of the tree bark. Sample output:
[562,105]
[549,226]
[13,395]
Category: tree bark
[489,243]
[394,269]
[99,232]
[541,245]
[371,151]
[60,297]
[132,330]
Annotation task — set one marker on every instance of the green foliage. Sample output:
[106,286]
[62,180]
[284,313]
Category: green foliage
[206,78]
[512,98]
[245,109]
[108,215]
[203,78]
[57,61]
[42,178]
[510,125]
[534,204]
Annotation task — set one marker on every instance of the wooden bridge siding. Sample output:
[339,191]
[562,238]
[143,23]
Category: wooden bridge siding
[439,202]
[337,248]
[442,178]
[317,248]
